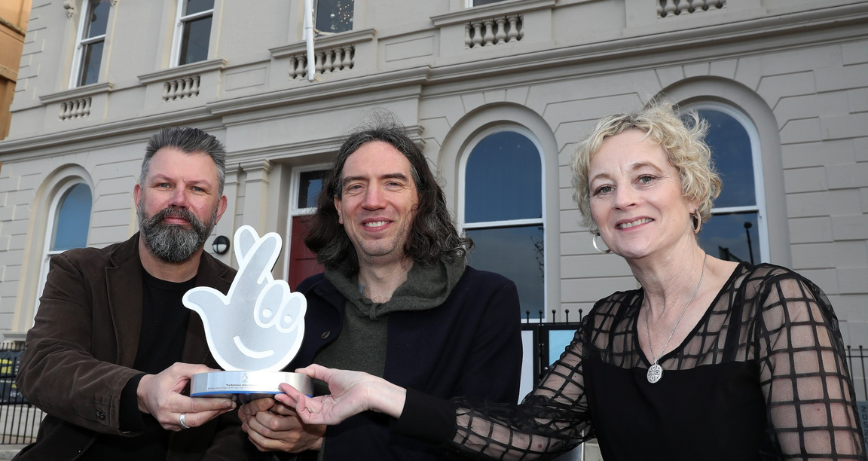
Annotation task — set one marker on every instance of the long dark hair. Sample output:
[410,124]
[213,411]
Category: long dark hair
[432,235]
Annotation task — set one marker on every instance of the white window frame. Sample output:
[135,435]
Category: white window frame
[47,252]
[759,186]
[80,42]
[179,29]
[463,226]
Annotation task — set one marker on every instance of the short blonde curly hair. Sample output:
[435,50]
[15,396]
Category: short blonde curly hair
[684,145]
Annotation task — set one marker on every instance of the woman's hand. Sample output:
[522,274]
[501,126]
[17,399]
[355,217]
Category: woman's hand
[352,392]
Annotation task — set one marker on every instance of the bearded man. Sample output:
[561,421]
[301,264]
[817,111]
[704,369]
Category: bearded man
[113,347]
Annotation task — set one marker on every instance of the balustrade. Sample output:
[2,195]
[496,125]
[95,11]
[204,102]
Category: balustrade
[75,108]
[493,31]
[668,8]
[181,88]
[327,61]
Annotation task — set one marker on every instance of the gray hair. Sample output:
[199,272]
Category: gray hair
[188,140]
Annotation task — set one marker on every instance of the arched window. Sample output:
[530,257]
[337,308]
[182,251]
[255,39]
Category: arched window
[738,230]
[503,211]
[69,219]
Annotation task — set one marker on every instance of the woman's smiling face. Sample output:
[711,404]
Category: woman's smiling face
[636,197]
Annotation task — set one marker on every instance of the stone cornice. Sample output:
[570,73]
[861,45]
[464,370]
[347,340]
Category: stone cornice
[325,90]
[775,30]
[329,41]
[183,71]
[494,9]
[75,93]
[24,146]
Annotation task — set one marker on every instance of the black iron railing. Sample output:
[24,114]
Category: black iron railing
[19,420]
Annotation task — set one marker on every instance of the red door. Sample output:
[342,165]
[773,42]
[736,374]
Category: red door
[302,261]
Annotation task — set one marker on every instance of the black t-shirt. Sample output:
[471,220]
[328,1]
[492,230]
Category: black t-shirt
[161,344]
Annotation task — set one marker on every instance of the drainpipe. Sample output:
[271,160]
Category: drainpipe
[308,37]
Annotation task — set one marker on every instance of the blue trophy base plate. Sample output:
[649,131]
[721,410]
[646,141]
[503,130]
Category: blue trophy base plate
[247,385]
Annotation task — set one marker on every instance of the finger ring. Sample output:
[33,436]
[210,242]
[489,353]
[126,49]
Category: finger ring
[183,421]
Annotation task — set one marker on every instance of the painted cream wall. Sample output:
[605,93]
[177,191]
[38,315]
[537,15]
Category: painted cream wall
[797,69]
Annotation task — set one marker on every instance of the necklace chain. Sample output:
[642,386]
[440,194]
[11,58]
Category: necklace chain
[655,371]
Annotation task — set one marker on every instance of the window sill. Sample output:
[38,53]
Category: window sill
[77,93]
[183,71]
[495,9]
[342,39]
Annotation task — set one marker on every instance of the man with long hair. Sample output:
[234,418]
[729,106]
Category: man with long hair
[397,300]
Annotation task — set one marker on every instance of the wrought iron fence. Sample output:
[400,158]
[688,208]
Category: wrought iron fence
[856,361]
[19,420]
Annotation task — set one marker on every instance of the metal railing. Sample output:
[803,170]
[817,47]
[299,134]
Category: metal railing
[19,420]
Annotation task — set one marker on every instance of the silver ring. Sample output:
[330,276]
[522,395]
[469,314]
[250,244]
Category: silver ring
[183,421]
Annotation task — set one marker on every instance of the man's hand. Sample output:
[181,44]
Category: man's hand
[272,426]
[160,396]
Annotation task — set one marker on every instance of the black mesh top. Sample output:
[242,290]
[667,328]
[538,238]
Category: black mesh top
[762,376]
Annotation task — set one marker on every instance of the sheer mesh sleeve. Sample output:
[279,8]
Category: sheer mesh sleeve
[550,420]
[803,372]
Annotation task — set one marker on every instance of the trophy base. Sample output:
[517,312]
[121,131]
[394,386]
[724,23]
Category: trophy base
[247,385]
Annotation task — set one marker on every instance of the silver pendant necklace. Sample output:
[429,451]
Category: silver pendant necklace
[655,371]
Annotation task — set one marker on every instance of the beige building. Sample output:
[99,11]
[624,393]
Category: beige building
[13,24]
[498,95]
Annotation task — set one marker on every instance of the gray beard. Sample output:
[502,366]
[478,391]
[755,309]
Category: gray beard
[173,243]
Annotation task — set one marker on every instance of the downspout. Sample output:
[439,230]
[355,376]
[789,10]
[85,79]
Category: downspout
[308,37]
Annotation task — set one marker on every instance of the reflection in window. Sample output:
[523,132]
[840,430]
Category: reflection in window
[69,227]
[334,16]
[72,219]
[194,30]
[503,213]
[309,186]
[90,42]
[734,231]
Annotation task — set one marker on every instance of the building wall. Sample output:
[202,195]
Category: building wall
[797,69]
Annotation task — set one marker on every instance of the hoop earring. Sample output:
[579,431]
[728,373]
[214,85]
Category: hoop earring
[594,241]
[696,221]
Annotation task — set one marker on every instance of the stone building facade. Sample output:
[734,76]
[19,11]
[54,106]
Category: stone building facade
[793,74]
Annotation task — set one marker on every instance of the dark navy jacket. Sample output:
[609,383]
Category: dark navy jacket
[468,346]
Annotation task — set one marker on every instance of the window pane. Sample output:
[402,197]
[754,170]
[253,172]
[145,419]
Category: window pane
[310,184]
[333,16]
[197,6]
[725,237]
[517,254]
[96,23]
[90,60]
[72,219]
[484,2]
[194,42]
[503,179]
[731,150]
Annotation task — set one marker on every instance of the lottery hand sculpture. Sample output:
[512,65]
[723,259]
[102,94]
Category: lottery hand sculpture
[259,324]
